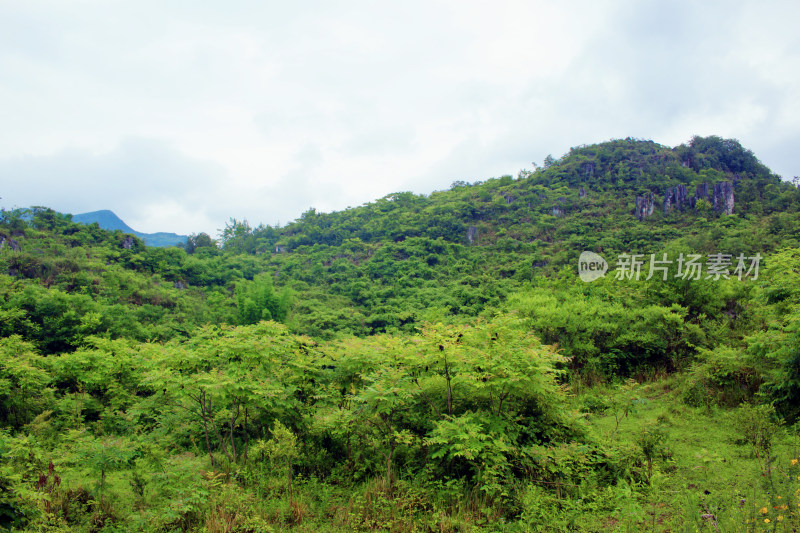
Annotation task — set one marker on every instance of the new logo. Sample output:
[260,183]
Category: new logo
[591,266]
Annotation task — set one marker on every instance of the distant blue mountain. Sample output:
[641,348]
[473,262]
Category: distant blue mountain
[109,220]
[105,219]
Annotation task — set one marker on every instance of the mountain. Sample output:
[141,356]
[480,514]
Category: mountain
[442,351]
[105,219]
[392,264]
[109,220]
[602,192]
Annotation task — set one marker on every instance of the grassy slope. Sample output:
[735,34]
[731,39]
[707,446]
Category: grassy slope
[704,470]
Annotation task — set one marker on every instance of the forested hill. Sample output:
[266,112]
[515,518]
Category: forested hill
[404,258]
[421,362]
[590,184]
[395,263]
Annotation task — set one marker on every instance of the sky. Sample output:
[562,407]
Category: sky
[180,115]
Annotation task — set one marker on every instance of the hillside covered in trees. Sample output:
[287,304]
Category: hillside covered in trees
[421,362]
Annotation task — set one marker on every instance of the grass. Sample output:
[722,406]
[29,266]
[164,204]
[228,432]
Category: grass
[704,477]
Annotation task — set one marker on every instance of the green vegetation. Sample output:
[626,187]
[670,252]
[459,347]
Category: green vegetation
[417,363]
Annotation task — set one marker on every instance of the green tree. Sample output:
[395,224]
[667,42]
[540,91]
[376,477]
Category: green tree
[198,240]
[258,300]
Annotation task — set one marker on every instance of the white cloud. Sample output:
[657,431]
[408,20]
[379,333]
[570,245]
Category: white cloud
[178,116]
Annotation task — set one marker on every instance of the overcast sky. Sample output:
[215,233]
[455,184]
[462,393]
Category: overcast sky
[178,115]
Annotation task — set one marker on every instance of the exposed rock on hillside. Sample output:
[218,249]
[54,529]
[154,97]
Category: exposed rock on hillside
[11,243]
[674,198]
[472,234]
[723,197]
[700,194]
[644,206]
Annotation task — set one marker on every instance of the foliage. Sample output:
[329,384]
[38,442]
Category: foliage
[421,362]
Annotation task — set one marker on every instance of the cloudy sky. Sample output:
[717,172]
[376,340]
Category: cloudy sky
[181,114]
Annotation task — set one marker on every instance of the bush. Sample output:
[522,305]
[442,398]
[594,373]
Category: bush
[721,378]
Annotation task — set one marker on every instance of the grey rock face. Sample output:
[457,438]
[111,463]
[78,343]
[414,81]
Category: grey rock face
[700,194]
[472,234]
[11,243]
[644,206]
[723,197]
[674,198]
